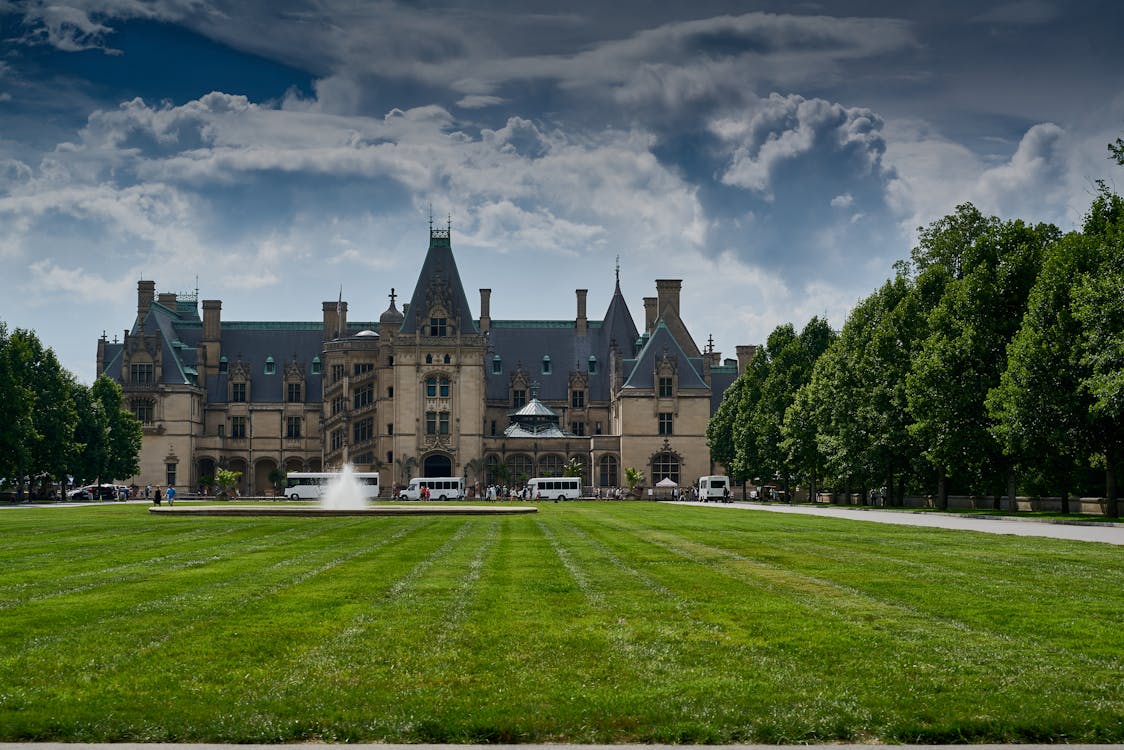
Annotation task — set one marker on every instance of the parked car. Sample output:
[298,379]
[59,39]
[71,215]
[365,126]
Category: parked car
[96,492]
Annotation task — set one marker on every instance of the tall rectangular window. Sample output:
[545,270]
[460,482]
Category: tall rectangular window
[438,327]
[518,398]
[666,390]
[362,367]
[140,373]
[365,396]
[143,410]
[337,439]
[293,395]
[577,399]
[238,392]
[238,428]
[292,427]
[431,423]
[665,423]
[443,422]
[170,474]
[364,430]
[578,428]
[337,372]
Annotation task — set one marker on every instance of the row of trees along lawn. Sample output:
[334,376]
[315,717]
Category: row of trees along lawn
[992,363]
[53,427]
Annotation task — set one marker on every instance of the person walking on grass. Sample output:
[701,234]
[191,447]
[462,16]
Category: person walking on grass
[158,496]
[171,495]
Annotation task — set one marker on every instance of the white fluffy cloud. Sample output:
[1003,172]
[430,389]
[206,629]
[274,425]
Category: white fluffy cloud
[782,128]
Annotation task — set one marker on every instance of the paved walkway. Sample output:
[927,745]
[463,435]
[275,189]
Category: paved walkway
[1083,531]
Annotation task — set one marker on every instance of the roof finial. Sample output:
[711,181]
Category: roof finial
[392,296]
[618,266]
[449,224]
[430,206]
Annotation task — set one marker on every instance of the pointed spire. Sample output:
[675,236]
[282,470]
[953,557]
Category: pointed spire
[618,273]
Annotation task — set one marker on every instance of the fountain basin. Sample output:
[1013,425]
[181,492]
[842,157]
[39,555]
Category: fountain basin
[318,511]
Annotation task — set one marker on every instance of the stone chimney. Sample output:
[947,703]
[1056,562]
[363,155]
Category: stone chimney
[667,293]
[582,323]
[167,299]
[485,310]
[745,356]
[335,323]
[212,319]
[146,292]
[650,314]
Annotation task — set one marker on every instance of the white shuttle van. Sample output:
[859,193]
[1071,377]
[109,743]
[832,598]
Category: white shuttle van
[714,488]
[440,488]
[554,488]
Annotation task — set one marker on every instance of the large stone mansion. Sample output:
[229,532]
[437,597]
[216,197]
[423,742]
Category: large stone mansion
[429,390]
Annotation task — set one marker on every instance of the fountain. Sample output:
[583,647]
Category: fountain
[345,496]
[345,492]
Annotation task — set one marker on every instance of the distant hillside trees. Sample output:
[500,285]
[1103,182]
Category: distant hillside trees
[994,359]
[53,427]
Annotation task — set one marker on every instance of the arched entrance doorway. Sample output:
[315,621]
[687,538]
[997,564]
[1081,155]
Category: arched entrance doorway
[437,465]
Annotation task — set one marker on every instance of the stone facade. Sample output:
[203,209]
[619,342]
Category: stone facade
[427,390]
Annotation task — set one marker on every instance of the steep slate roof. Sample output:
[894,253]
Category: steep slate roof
[253,343]
[439,268]
[662,343]
[526,342]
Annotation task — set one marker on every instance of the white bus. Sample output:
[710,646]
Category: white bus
[714,488]
[311,485]
[440,488]
[554,488]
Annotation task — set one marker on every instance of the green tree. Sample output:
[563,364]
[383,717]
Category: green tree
[55,416]
[17,408]
[988,268]
[1058,402]
[1116,151]
[91,436]
[573,468]
[851,418]
[125,431]
[720,428]
[226,480]
[633,477]
[406,466]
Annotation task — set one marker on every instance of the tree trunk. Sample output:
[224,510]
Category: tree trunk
[942,489]
[1012,504]
[1065,499]
[1111,510]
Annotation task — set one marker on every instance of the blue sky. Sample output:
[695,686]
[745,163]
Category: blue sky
[776,156]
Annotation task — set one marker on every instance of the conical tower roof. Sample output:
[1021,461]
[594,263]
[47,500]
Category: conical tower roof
[439,285]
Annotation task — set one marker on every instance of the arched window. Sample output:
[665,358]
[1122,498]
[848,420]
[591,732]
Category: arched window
[665,465]
[520,467]
[546,364]
[270,366]
[551,465]
[492,469]
[607,472]
[592,364]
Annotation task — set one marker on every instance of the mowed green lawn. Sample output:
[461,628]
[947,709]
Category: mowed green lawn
[587,622]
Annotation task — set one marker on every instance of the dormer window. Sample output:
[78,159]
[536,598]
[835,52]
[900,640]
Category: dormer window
[315,366]
[270,366]
[592,365]
[497,365]
[222,364]
[546,364]
[438,327]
